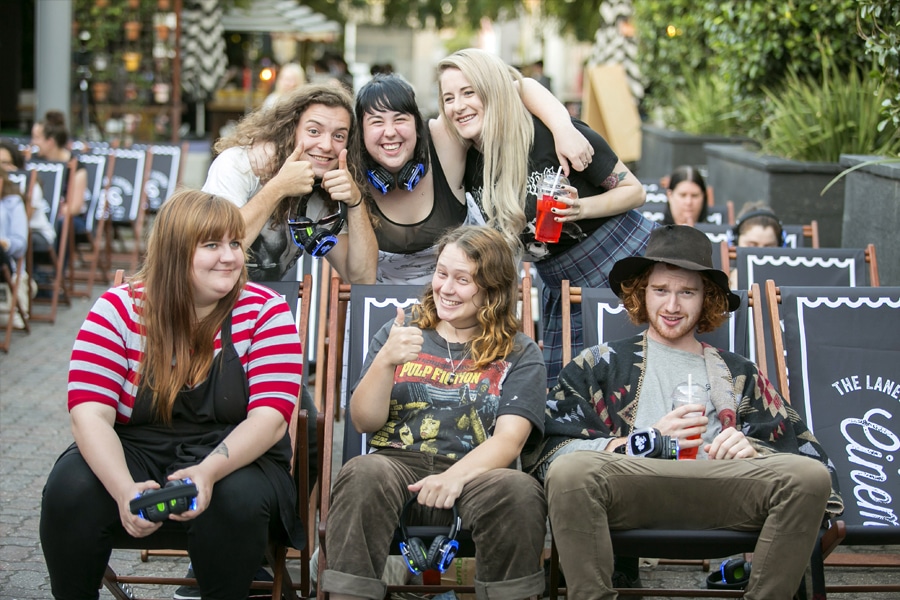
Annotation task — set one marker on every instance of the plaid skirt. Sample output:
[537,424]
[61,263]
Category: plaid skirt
[586,265]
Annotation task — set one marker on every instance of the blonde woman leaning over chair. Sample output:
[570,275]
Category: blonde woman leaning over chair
[186,371]
[450,394]
[509,156]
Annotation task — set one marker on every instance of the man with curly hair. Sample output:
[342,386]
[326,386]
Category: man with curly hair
[290,161]
[758,468]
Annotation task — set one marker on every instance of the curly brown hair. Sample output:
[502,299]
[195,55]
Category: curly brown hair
[712,315]
[496,276]
[278,125]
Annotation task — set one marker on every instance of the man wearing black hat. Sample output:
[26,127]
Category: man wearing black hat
[760,468]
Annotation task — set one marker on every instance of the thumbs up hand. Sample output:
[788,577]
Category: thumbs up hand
[296,176]
[403,343]
[340,185]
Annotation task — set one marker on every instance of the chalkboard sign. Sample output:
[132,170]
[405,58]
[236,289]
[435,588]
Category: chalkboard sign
[842,358]
[95,165]
[371,306]
[51,175]
[123,190]
[602,308]
[165,162]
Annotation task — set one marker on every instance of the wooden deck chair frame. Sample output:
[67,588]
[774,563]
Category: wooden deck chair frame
[95,261]
[809,231]
[682,545]
[338,300]
[58,256]
[282,585]
[852,536]
[14,280]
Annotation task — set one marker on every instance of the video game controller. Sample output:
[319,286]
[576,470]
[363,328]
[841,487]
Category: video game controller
[174,498]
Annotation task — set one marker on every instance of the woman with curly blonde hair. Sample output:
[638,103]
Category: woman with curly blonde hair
[449,397]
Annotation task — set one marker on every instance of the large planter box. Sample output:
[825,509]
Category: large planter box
[872,212]
[792,188]
[664,149]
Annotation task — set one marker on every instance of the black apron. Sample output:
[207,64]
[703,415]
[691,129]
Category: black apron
[202,418]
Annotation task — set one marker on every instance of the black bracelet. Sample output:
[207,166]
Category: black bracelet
[355,205]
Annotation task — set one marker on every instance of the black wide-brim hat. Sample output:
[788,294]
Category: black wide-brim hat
[678,245]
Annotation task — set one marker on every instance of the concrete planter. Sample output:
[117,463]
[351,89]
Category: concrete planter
[664,149]
[792,188]
[872,212]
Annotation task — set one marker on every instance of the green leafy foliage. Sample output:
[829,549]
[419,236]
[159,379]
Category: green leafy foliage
[879,24]
[818,118]
[704,105]
[748,44]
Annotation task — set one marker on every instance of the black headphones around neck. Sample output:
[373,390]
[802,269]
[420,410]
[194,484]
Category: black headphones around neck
[419,557]
[734,232]
[317,237]
[407,178]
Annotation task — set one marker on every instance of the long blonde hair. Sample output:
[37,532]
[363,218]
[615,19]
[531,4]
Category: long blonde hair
[496,276]
[506,136]
[178,349]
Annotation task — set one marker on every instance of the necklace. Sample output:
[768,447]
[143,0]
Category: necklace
[454,367]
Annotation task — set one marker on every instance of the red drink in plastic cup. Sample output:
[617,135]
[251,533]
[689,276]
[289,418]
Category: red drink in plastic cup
[547,229]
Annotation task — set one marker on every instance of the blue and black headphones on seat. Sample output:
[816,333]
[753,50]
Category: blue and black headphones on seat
[317,237]
[407,178]
[732,574]
[419,557]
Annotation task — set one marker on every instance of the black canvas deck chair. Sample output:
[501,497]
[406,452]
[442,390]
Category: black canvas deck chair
[837,362]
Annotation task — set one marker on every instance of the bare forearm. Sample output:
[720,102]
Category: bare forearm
[101,449]
[249,440]
[258,209]
[370,403]
[363,251]
[545,106]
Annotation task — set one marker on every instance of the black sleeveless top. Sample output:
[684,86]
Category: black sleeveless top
[446,213]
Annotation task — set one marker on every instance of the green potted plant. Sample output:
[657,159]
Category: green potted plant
[701,111]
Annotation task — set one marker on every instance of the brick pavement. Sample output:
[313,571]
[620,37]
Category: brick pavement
[34,430]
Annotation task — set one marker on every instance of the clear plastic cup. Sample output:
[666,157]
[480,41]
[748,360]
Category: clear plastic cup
[693,393]
[547,228]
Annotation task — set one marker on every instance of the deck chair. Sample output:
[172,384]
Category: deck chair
[166,170]
[371,306]
[125,206]
[13,281]
[87,264]
[51,177]
[172,543]
[678,545]
[836,362]
[845,267]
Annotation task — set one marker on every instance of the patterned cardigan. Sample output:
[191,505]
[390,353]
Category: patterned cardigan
[597,396]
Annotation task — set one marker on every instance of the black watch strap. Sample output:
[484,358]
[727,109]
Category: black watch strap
[620,449]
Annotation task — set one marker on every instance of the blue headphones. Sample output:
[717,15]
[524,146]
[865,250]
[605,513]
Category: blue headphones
[735,232]
[419,557]
[317,237]
[407,178]
[733,574]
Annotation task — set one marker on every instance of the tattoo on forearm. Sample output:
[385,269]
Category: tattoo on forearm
[220,449]
[613,180]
